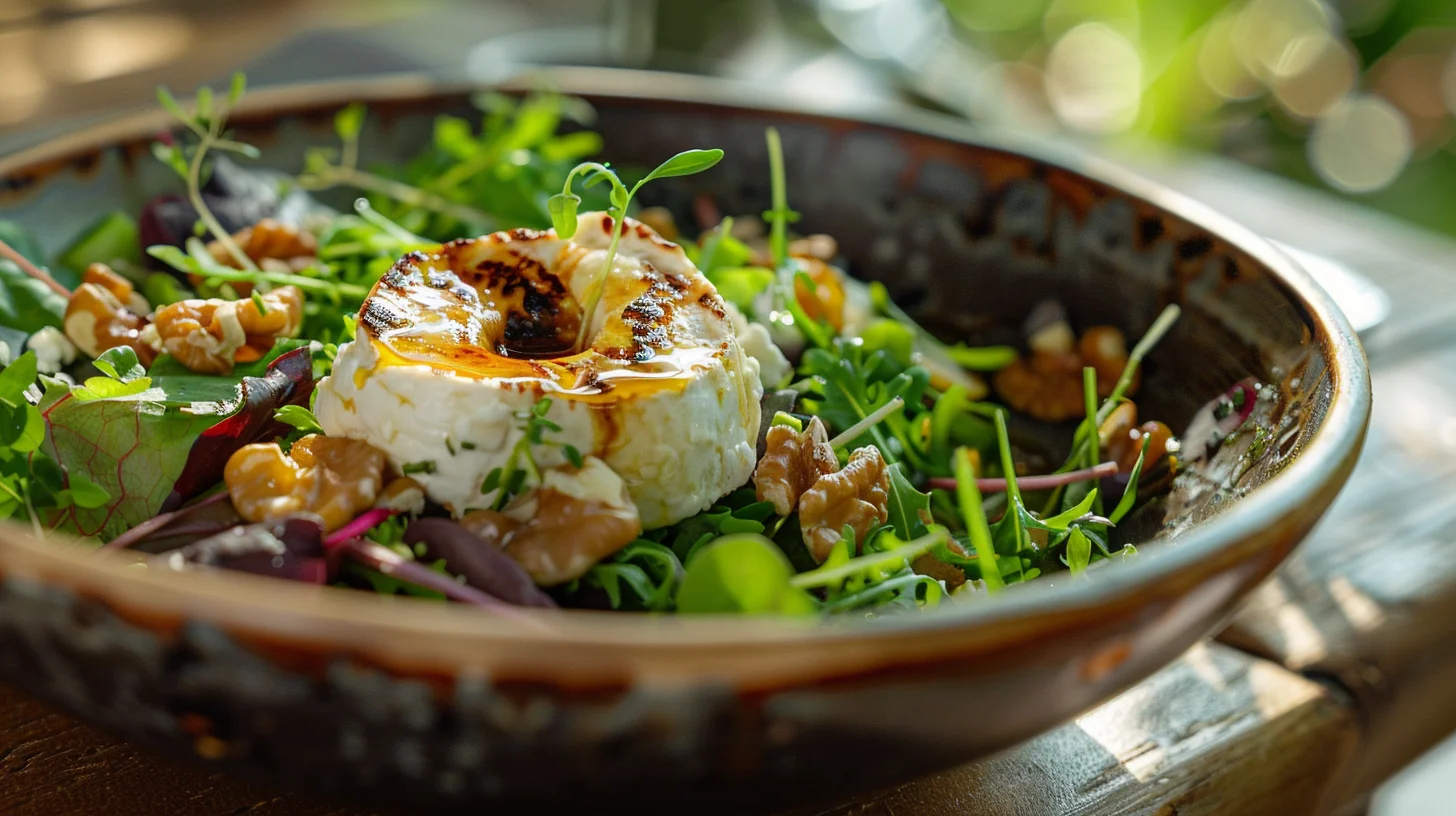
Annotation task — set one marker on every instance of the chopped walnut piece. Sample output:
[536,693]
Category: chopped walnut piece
[1121,438]
[331,477]
[557,531]
[105,312]
[1048,384]
[792,461]
[855,496]
[661,221]
[271,245]
[402,495]
[567,535]
[209,336]
[818,245]
[931,565]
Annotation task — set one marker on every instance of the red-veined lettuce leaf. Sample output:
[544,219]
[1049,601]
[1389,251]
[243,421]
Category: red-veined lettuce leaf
[156,449]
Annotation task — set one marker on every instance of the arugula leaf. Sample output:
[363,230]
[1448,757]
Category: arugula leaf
[907,586]
[1063,520]
[738,512]
[113,239]
[853,385]
[841,574]
[648,569]
[23,241]
[906,505]
[743,574]
[1129,493]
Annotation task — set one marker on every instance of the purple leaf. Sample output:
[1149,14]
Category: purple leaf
[482,563]
[393,564]
[291,548]
[289,381]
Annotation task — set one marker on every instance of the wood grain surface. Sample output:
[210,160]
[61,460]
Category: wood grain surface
[1196,738]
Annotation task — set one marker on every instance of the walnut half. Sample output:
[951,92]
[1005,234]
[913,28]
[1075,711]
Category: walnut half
[271,245]
[331,477]
[799,469]
[855,496]
[792,461]
[210,336]
[105,312]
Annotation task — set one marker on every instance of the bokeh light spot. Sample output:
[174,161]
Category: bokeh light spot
[1361,144]
[1094,79]
[1327,70]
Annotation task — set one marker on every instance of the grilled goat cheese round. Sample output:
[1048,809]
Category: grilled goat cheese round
[455,346]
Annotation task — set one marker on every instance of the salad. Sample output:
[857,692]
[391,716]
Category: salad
[499,380]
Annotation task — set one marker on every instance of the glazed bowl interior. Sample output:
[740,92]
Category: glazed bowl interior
[966,233]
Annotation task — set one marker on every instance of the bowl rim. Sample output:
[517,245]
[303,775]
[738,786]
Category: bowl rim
[281,612]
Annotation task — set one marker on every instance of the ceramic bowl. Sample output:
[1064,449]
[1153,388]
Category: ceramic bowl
[397,700]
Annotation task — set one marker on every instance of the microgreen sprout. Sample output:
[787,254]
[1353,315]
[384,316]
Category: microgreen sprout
[893,559]
[206,121]
[520,471]
[780,216]
[563,207]
[320,173]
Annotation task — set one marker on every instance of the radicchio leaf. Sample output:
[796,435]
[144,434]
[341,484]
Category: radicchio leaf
[289,381]
[291,548]
[483,564]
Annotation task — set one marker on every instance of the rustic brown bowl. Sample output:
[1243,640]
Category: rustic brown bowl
[405,701]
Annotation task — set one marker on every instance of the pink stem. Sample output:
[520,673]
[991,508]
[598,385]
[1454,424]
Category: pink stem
[32,270]
[1045,482]
[391,563]
[157,522]
[366,521]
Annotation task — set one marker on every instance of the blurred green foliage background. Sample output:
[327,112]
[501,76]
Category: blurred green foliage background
[1353,95]
[1356,95]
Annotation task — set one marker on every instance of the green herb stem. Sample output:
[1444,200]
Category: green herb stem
[194,194]
[1155,333]
[973,514]
[336,176]
[875,417]
[779,216]
[848,569]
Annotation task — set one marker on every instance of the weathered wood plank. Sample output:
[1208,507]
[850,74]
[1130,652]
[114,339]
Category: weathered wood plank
[1217,732]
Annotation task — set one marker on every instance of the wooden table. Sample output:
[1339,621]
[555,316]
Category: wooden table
[1337,673]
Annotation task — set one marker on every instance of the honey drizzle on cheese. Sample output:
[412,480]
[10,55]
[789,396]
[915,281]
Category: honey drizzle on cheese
[490,308]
